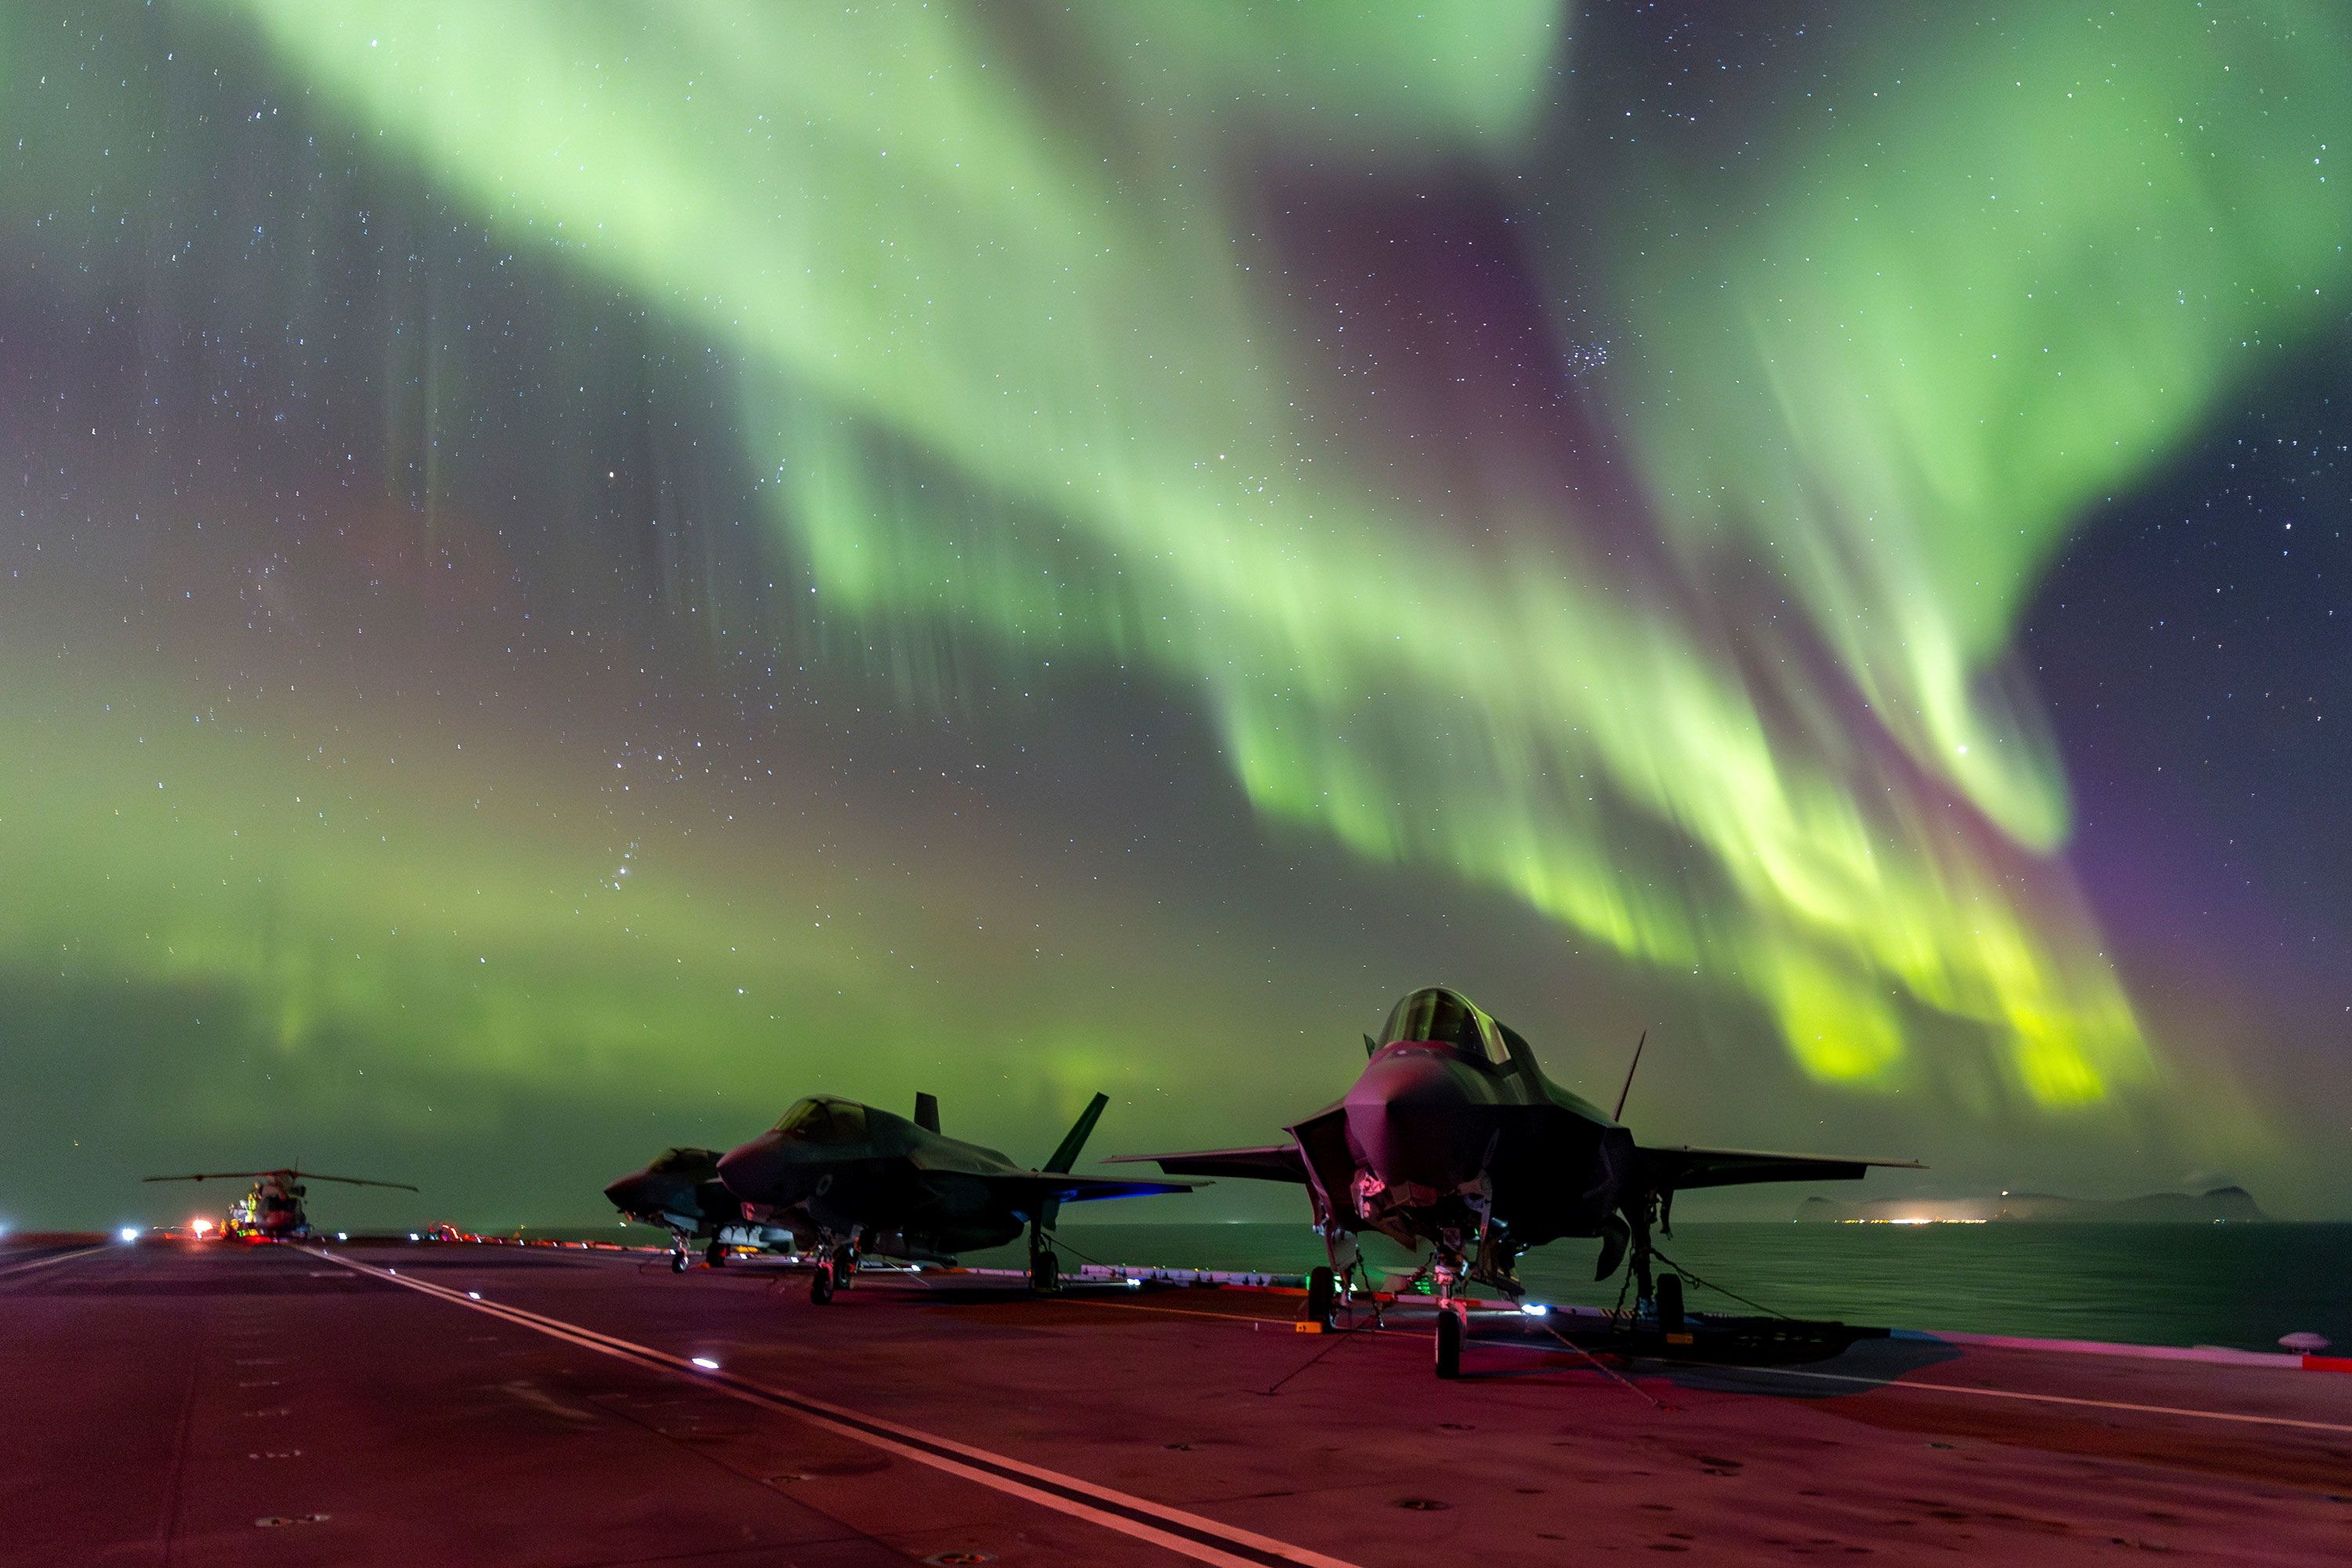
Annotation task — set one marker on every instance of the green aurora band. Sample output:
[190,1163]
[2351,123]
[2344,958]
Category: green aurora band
[1022,395]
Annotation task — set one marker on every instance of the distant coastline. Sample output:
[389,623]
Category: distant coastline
[2217,1205]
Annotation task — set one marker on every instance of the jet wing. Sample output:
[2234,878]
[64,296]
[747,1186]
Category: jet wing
[1677,1169]
[1026,1187]
[1273,1162]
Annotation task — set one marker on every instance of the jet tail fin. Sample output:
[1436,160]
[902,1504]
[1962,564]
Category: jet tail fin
[927,1112]
[1066,1156]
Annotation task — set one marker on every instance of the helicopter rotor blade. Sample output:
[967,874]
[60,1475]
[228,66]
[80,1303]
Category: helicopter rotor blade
[348,1181]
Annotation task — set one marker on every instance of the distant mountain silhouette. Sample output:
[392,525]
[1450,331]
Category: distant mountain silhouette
[2152,1208]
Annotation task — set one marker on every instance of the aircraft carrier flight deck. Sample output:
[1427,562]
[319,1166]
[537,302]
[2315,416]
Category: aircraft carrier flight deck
[197,1403]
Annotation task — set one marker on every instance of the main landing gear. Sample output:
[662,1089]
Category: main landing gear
[1330,1287]
[1044,1268]
[1322,1295]
[1670,1304]
[715,1254]
[1658,1297]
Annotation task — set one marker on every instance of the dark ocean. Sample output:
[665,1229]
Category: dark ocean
[2236,1285]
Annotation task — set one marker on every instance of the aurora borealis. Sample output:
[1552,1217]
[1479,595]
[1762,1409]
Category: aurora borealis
[585,571]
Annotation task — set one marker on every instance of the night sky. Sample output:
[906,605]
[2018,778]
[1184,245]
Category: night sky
[581,572]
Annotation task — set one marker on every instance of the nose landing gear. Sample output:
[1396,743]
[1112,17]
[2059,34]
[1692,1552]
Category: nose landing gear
[1451,1332]
[1445,1272]
[836,1268]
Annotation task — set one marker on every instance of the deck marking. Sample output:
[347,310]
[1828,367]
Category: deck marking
[1188,1535]
[1792,1372]
[2038,1398]
[15,1269]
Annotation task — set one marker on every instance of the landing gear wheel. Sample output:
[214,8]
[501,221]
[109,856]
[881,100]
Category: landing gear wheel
[1045,1271]
[1670,1304]
[1449,1343]
[715,1254]
[844,1267]
[677,1260]
[1322,1289]
[821,1284]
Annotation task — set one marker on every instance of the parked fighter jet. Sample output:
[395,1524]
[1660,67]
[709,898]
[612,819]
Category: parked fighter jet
[273,1207]
[1454,1137]
[871,1182]
[681,1192]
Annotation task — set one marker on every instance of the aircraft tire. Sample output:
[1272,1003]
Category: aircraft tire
[1670,1304]
[1322,1290]
[1045,1271]
[1449,1343]
[845,1269]
[821,1284]
[678,1262]
[715,1254]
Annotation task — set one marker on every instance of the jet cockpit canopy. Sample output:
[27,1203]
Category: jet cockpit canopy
[824,1120]
[1448,1018]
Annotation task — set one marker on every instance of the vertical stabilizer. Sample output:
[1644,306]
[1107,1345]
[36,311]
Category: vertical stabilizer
[1076,1139]
[1065,1157]
[927,1112]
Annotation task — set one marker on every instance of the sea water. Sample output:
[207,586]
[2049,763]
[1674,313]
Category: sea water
[2240,1285]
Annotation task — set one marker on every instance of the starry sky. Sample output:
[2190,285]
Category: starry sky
[581,571]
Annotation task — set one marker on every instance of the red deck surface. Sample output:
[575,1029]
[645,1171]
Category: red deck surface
[166,1400]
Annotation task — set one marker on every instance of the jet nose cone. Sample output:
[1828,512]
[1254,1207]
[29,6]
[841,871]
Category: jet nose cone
[749,1170]
[628,1193]
[1409,1117]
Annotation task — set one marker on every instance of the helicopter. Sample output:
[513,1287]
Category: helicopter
[272,1210]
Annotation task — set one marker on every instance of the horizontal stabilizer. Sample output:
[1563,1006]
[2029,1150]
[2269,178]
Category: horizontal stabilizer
[1273,1162]
[1679,1169]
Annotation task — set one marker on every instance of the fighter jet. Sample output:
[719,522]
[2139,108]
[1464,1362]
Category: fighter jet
[273,1208]
[681,1192]
[869,1181]
[1452,1137]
